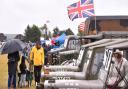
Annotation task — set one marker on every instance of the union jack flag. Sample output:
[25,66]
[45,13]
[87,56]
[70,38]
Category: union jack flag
[81,9]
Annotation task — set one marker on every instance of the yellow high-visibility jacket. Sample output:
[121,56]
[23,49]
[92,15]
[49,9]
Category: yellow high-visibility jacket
[37,55]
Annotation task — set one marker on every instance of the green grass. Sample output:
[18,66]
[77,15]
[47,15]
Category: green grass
[4,74]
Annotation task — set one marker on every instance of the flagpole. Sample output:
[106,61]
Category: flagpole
[95,21]
[87,25]
[84,28]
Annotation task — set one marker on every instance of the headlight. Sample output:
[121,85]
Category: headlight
[51,80]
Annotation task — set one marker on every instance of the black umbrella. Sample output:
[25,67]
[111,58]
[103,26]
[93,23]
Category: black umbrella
[12,46]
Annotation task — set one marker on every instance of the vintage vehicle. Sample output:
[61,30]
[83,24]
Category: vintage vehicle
[97,72]
[53,54]
[78,61]
[91,55]
[71,45]
[90,38]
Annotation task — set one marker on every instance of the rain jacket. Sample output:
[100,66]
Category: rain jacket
[37,55]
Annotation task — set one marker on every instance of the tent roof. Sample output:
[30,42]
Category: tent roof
[61,38]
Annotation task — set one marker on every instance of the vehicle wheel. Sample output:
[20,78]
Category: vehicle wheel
[40,86]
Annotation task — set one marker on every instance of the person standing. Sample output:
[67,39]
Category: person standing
[118,71]
[23,72]
[46,49]
[37,56]
[13,59]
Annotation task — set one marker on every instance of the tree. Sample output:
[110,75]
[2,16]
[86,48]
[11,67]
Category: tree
[44,30]
[2,37]
[20,37]
[69,32]
[61,32]
[50,34]
[56,31]
[32,33]
[44,27]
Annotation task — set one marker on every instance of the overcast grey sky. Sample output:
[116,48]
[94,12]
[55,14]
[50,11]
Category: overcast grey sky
[15,15]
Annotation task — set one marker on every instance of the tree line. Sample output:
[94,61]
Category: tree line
[33,33]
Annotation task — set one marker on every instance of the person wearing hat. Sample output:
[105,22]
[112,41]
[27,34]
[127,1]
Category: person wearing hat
[118,71]
[37,56]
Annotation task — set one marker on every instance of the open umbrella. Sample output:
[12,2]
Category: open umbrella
[12,46]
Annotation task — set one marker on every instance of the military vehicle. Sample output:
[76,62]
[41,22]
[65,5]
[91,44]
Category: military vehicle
[99,27]
[78,61]
[72,43]
[91,55]
[53,54]
[97,79]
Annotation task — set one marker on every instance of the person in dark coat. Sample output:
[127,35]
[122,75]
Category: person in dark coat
[13,59]
[45,52]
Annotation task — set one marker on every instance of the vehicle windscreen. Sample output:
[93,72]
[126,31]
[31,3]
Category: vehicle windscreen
[74,44]
[88,54]
[80,56]
[97,64]
[65,43]
[86,59]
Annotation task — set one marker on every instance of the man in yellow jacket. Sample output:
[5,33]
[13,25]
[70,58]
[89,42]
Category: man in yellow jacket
[37,56]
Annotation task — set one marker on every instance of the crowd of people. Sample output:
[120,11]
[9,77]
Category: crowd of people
[33,55]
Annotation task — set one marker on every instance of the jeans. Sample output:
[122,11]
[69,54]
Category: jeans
[12,81]
[23,80]
[37,73]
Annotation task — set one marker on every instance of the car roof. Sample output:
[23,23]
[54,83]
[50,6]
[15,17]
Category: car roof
[98,36]
[122,45]
[97,42]
[115,41]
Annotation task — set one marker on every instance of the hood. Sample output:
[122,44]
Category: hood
[56,50]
